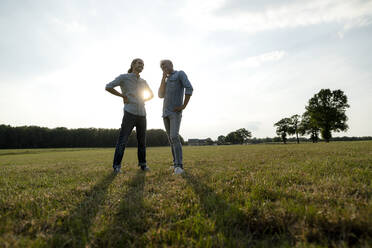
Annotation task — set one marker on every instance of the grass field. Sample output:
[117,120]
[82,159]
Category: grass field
[307,195]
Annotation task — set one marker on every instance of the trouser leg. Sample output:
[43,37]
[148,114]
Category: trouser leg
[127,125]
[167,129]
[175,123]
[141,140]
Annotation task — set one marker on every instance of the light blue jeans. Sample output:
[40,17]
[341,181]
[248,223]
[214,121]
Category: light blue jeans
[172,125]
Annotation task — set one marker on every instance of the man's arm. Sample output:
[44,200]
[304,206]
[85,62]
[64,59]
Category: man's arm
[188,91]
[161,92]
[185,102]
[185,83]
[110,88]
[117,93]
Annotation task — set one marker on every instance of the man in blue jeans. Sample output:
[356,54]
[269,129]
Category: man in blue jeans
[174,85]
[134,91]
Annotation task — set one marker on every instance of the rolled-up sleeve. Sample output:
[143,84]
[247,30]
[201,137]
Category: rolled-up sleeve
[185,83]
[116,82]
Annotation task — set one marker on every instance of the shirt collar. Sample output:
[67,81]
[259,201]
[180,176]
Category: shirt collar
[134,75]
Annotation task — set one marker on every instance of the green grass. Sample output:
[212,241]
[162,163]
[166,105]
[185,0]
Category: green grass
[307,195]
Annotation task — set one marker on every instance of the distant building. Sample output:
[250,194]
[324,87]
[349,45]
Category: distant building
[197,142]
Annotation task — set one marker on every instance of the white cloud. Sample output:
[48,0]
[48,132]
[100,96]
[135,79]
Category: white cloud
[358,22]
[213,15]
[256,61]
[72,26]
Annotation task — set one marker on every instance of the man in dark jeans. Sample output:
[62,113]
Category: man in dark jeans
[134,91]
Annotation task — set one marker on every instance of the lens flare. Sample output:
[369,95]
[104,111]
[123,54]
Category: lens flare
[146,94]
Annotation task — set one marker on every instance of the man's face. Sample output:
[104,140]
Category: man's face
[138,66]
[166,67]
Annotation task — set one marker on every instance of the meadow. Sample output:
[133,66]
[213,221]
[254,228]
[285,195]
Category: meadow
[294,195]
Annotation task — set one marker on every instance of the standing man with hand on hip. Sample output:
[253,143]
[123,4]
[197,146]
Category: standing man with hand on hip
[174,85]
[134,91]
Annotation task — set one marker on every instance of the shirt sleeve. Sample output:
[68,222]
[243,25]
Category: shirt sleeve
[116,82]
[185,83]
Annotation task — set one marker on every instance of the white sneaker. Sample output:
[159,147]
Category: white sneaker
[178,170]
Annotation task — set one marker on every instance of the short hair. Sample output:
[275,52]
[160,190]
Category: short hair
[166,61]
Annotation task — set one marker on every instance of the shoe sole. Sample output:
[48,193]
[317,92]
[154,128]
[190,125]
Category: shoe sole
[178,172]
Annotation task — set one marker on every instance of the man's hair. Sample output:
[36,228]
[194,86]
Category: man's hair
[166,61]
[132,64]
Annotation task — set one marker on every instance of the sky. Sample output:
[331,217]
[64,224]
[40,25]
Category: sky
[251,63]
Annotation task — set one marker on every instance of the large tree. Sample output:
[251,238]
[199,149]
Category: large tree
[293,127]
[283,128]
[327,110]
[239,136]
[308,126]
[244,134]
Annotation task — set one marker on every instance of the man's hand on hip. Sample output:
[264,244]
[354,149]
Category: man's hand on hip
[179,109]
[125,99]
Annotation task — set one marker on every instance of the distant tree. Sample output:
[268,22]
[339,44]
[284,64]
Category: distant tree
[283,128]
[309,127]
[156,137]
[182,140]
[232,138]
[42,137]
[327,110]
[209,141]
[239,136]
[244,134]
[221,140]
[293,127]
[7,137]
[267,140]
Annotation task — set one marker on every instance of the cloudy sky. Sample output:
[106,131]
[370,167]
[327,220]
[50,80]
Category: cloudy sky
[251,63]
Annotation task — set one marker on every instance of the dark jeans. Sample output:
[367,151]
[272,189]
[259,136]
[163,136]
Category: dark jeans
[129,122]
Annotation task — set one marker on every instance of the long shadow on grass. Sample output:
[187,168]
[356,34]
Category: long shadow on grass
[130,221]
[239,229]
[73,230]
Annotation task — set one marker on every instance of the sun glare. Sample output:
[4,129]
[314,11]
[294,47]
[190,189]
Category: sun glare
[146,94]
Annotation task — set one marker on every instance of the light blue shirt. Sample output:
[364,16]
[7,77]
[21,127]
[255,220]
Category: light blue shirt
[133,88]
[177,85]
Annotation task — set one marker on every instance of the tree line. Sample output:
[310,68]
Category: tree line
[243,136]
[304,139]
[42,137]
[324,114]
